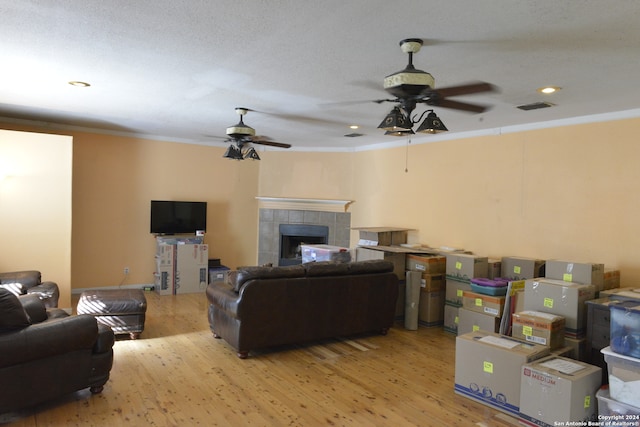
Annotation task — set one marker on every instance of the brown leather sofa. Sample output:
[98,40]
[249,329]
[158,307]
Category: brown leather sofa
[261,307]
[30,282]
[45,353]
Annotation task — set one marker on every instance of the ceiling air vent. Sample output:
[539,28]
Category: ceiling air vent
[354,135]
[535,106]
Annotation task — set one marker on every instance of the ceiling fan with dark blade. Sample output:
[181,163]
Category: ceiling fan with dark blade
[411,87]
[240,135]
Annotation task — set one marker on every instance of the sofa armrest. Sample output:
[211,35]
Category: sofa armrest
[55,337]
[106,339]
[222,296]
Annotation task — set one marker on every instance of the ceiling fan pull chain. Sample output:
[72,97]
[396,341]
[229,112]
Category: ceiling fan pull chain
[406,156]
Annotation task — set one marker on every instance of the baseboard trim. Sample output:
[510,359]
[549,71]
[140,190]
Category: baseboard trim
[77,291]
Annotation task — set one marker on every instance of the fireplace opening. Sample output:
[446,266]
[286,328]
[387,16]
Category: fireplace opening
[294,235]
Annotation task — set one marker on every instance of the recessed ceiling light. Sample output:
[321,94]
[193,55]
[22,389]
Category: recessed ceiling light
[354,127]
[78,83]
[549,89]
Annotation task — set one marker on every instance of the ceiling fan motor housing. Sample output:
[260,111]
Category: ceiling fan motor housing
[409,82]
[240,130]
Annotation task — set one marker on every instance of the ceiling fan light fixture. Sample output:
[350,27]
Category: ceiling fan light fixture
[432,124]
[233,153]
[251,154]
[395,121]
[399,132]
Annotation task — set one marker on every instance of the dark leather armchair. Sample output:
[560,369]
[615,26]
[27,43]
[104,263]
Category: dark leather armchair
[45,353]
[30,282]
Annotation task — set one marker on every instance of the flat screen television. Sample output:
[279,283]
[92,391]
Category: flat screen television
[173,217]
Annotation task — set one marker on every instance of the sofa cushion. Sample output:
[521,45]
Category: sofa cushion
[12,315]
[326,268]
[34,308]
[244,274]
[15,287]
[371,266]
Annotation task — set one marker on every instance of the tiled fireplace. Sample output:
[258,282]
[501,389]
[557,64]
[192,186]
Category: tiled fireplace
[301,222]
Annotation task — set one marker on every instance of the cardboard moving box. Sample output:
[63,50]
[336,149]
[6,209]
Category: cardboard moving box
[454,291]
[192,268]
[472,321]
[451,318]
[466,266]
[538,327]
[494,268]
[424,300]
[562,298]
[485,304]
[432,264]
[557,389]
[382,236]
[521,268]
[586,273]
[431,308]
[395,255]
[611,278]
[488,368]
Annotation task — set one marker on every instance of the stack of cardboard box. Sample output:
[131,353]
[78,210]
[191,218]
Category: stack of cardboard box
[546,316]
[460,269]
[429,270]
[423,265]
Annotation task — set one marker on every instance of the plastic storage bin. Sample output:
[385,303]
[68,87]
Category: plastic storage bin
[625,328]
[493,287]
[312,253]
[624,377]
[614,413]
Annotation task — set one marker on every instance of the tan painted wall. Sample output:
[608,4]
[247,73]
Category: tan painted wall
[35,206]
[115,179]
[566,193]
[306,175]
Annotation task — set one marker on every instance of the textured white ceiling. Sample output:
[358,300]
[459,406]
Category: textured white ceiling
[176,69]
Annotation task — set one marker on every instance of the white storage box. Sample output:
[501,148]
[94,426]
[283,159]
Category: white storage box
[625,328]
[624,377]
[614,413]
[312,253]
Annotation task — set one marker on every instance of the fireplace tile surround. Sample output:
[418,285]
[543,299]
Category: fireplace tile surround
[339,224]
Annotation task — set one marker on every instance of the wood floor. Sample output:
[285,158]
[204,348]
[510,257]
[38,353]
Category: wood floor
[177,374]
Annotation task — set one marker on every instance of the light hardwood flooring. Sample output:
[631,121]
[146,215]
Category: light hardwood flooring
[177,374]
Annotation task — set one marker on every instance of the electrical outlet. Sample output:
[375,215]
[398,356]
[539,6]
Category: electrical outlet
[126,270]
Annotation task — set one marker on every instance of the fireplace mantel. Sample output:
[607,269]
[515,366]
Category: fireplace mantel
[324,205]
